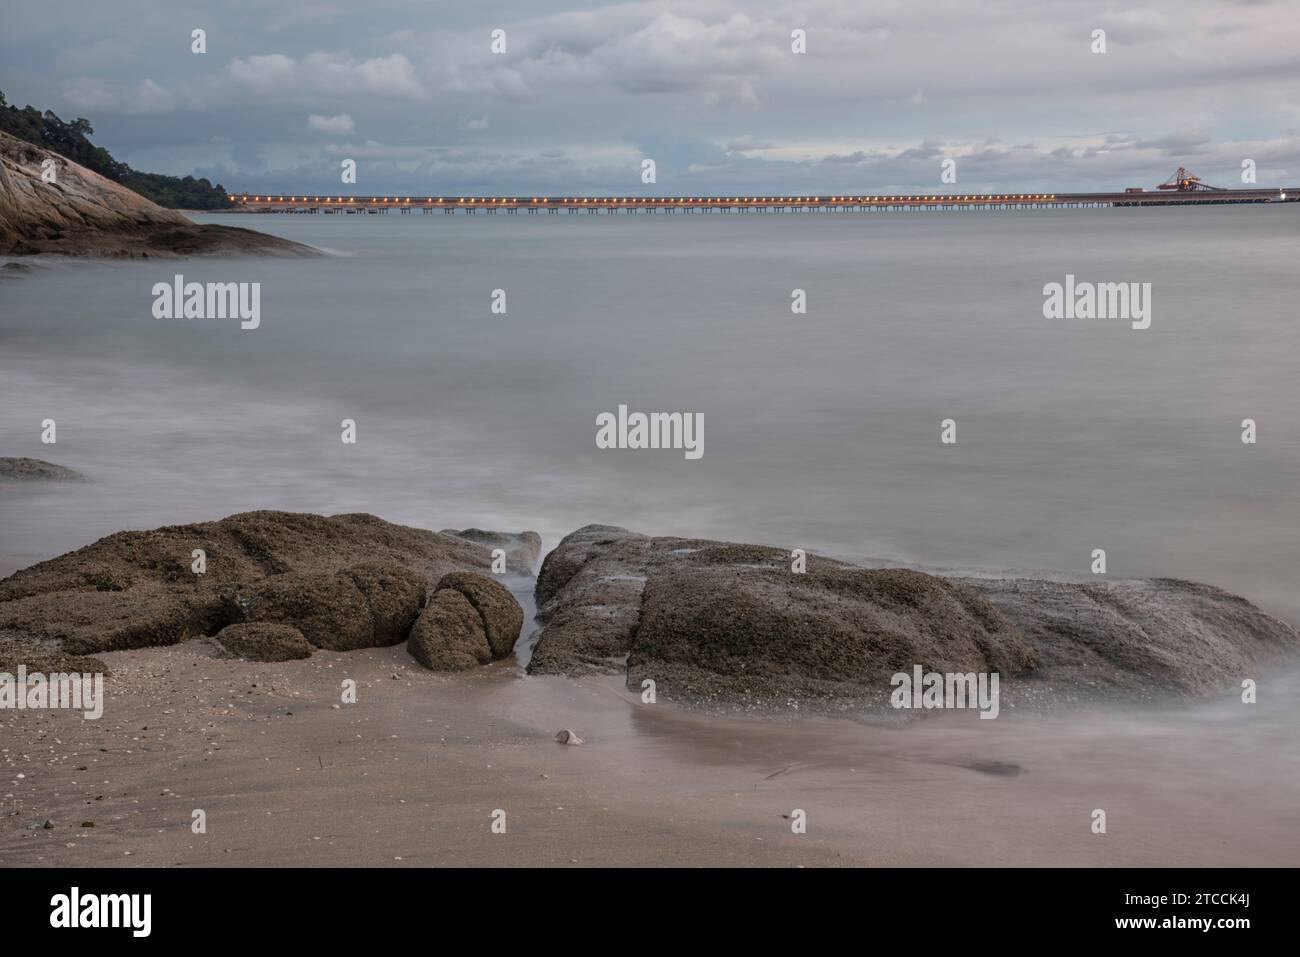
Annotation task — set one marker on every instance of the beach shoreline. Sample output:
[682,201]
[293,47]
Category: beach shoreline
[412,773]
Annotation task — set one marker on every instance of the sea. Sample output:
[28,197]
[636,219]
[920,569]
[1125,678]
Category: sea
[919,408]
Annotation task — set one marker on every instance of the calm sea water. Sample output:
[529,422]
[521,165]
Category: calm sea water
[821,430]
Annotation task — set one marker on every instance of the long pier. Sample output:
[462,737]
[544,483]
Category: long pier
[575,205]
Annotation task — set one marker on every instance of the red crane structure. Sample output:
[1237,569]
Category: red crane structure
[1186,182]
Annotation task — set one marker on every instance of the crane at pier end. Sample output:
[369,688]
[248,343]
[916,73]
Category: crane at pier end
[1185,182]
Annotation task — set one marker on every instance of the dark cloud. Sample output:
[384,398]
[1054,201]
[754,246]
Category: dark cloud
[708,88]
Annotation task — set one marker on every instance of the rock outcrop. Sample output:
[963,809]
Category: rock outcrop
[14,654]
[35,470]
[264,642]
[362,606]
[589,597]
[717,622]
[449,635]
[502,616]
[470,620]
[1138,636]
[346,581]
[84,214]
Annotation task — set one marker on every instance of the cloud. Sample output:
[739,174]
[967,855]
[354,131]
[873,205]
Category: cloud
[695,167]
[105,53]
[748,144]
[97,95]
[1178,143]
[635,49]
[1137,24]
[709,88]
[340,125]
[277,75]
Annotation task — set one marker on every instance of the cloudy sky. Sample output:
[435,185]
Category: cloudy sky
[709,89]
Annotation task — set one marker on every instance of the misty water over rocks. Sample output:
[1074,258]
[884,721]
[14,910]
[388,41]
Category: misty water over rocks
[823,433]
[823,429]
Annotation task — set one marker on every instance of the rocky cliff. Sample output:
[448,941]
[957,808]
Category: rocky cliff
[80,213]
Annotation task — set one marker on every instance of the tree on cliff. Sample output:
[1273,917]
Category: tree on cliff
[72,140]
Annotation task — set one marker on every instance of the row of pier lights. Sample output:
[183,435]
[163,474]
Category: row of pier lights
[648,201]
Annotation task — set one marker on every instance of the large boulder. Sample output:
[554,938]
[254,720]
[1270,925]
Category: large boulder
[345,581]
[449,634]
[503,618]
[470,620]
[711,621]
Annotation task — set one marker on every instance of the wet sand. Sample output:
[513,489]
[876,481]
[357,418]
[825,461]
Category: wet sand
[412,772]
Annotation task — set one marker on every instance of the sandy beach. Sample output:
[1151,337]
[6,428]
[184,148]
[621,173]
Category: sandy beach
[412,772]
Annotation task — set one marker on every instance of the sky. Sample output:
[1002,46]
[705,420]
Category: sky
[713,91]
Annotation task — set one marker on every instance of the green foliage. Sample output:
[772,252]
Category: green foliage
[72,140]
